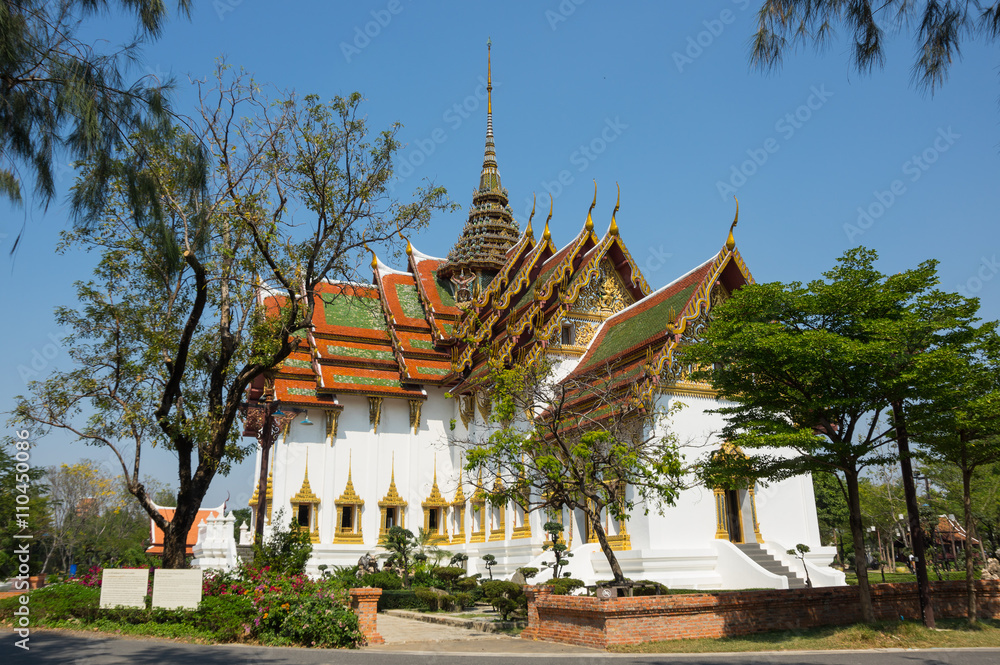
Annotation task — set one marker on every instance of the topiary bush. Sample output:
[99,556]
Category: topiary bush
[564,585]
[505,597]
[436,599]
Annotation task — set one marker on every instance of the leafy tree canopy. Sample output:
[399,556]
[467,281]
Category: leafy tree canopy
[940,27]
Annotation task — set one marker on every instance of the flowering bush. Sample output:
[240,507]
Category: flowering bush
[322,620]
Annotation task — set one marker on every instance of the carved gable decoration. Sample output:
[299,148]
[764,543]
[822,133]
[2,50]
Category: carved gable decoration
[604,294]
[677,374]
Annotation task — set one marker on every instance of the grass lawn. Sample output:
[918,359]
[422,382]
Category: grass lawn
[896,635]
[874,577]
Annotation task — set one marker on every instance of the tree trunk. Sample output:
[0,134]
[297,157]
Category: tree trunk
[970,584]
[860,556]
[602,539]
[913,512]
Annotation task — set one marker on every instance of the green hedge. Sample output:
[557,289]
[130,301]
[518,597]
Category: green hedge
[404,599]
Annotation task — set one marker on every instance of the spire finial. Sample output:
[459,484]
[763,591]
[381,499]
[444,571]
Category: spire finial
[409,247]
[374,258]
[392,473]
[547,235]
[614,224]
[590,220]
[489,76]
[731,240]
[528,230]
[435,468]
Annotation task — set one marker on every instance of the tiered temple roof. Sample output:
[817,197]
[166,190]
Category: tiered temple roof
[426,326]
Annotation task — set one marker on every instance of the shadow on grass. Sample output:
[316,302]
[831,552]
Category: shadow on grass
[952,633]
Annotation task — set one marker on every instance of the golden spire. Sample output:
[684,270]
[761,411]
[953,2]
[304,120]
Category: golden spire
[731,241]
[409,247]
[546,235]
[489,76]
[590,220]
[374,258]
[614,224]
[528,230]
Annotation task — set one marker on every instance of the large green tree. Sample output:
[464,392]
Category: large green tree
[171,331]
[823,373]
[960,424]
[587,445]
[939,29]
[63,97]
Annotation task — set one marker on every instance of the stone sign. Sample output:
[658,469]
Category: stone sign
[125,587]
[173,589]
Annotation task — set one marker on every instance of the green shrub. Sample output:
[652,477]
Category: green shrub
[404,599]
[528,572]
[448,574]
[436,599]
[322,621]
[229,618]
[505,597]
[383,579]
[56,602]
[649,588]
[564,585]
[464,599]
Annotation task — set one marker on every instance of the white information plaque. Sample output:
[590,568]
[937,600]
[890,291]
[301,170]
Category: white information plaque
[124,587]
[176,589]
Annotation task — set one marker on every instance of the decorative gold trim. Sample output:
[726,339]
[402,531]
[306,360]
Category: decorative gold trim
[374,412]
[753,514]
[415,406]
[478,502]
[349,500]
[499,533]
[332,423]
[436,501]
[305,496]
[268,493]
[392,499]
[484,404]
[466,408]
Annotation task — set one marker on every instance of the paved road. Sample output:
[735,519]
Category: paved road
[63,648]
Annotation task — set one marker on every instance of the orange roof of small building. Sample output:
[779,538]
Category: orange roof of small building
[156,543]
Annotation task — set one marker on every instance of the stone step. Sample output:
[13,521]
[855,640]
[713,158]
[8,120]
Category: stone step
[760,557]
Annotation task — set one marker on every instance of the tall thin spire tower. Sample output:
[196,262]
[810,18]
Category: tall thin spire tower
[490,231]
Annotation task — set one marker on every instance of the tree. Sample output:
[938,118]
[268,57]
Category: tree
[402,547]
[558,547]
[941,28]
[58,93]
[960,425]
[94,519]
[831,510]
[169,335]
[22,521]
[824,373]
[589,445]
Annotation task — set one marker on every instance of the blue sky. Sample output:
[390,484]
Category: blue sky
[656,96]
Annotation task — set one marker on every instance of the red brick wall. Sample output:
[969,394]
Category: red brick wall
[364,602]
[595,623]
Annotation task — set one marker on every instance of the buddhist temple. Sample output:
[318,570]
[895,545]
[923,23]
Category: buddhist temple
[388,374]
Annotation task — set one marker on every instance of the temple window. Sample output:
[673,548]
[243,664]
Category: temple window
[305,506]
[392,507]
[434,508]
[349,508]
